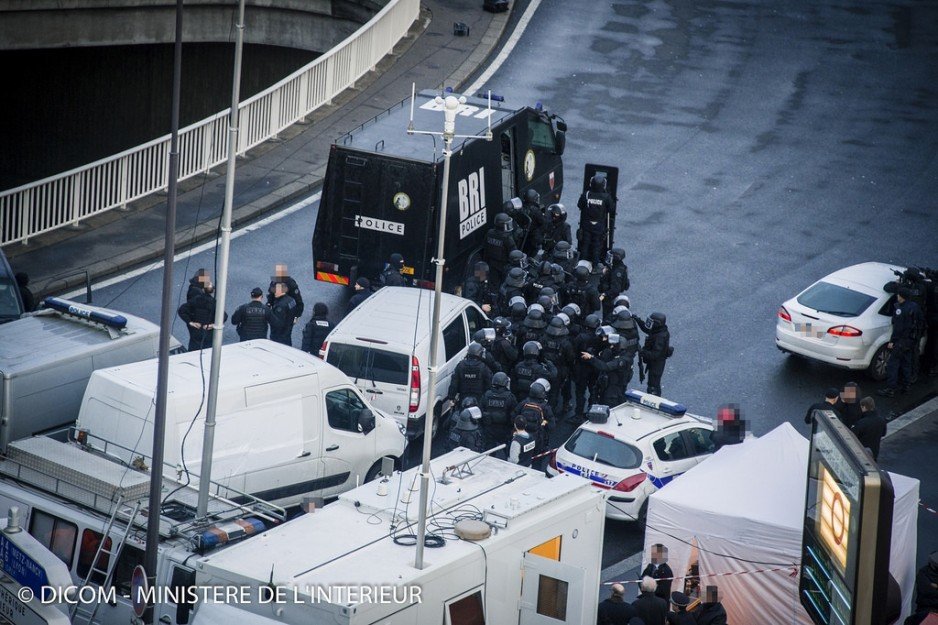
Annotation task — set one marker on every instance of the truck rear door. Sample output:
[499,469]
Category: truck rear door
[375,206]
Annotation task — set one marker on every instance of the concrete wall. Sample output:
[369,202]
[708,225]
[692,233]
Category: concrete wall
[315,25]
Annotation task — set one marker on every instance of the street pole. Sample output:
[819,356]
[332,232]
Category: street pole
[166,321]
[208,439]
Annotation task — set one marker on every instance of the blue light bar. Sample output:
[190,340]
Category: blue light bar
[77,310]
[653,401]
[495,97]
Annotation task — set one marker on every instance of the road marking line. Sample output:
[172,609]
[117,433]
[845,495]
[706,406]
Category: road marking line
[507,49]
[257,225]
[911,417]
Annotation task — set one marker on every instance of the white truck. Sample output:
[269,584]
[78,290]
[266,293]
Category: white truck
[57,349]
[508,546]
[288,425]
[91,512]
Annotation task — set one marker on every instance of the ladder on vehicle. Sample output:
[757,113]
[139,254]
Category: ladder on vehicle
[80,613]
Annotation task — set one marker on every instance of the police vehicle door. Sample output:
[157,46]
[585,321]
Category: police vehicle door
[508,163]
[347,451]
[551,593]
[671,458]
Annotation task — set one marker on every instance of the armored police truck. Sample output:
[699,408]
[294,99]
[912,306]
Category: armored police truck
[382,189]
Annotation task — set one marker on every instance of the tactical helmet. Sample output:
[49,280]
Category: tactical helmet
[623,320]
[537,390]
[545,302]
[535,319]
[517,258]
[585,263]
[508,207]
[565,318]
[556,327]
[475,350]
[537,307]
[545,268]
[557,212]
[396,261]
[592,322]
[582,274]
[617,253]
[572,310]
[557,272]
[605,331]
[515,277]
[613,339]
[622,300]
[656,320]
[501,380]
[481,266]
[501,324]
[517,306]
[503,222]
[531,196]
[531,348]
[468,420]
[598,183]
[562,250]
[484,335]
[468,402]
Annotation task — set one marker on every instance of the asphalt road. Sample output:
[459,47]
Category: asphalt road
[761,146]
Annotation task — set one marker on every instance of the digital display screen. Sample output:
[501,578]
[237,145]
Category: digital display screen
[832,520]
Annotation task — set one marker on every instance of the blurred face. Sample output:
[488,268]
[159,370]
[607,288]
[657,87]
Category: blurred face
[280,270]
[712,595]
[280,290]
[849,394]
[659,554]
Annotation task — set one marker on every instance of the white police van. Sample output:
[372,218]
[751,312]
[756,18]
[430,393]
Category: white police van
[643,444]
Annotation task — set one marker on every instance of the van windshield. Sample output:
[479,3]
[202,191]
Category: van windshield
[9,304]
[368,363]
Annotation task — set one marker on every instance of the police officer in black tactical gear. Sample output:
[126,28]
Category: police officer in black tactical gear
[252,319]
[537,222]
[499,243]
[615,369]
[471,377]
[584,374]
[317,329]
[529,369]
[625,326]
[573,312]
[293,289]
[517,313]
[557,228]
[479,289]
[513,286]
[615,278]
[198,311]
[559,277]
[564,256]
[503,347]
[557,348]
[465,432]
[532,329]
[282,315]
[657,348]
[517,219]
[362,291]
[582,292]
[497,405]
[908,324]
[536,411]
[539,277]
[519,259]
[486,338]
[550,300]
[597,214]
[392,274]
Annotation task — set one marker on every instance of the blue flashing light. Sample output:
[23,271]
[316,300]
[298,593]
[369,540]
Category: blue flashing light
[71,308]
[485,96]
[538,106]
[657,403]
[448,90]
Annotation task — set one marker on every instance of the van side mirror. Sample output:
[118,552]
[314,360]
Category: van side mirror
[366,420]
[560,125]
[560,141]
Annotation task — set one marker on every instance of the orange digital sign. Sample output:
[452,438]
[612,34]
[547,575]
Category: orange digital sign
[833,518]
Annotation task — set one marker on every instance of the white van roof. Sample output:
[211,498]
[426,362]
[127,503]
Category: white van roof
[243,364]
[396,316]
[54,337]
[353,538]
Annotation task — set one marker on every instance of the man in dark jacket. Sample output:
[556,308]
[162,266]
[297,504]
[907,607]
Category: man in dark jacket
[907,324]
[680,615]
[831,397]
[362,291]
[614,367]
[479,288]
[597,214]
[497,405]
[870,428]
[199,315]
[197,283]
[317,329]
[581,291]
[659,570]
[393,272]
[293,289]
[252,319]
[529,369]
[471,377]
[614,610]
[711,611]
[615,278]
[848,406]
[926,585]
[556,230]
[650,607]
[499,243]
[657,348]
[282,315]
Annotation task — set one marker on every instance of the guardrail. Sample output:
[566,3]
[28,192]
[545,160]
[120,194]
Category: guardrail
[113,182]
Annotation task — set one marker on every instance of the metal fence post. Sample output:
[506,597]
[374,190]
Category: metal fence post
[77,184]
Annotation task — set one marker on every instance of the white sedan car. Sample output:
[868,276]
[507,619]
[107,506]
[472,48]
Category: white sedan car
[843,319]
[645,443]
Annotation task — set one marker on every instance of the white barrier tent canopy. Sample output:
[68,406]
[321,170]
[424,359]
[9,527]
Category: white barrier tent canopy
[741,513]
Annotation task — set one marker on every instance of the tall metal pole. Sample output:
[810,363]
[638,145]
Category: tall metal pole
[166,318]
[208,439]
[450,106]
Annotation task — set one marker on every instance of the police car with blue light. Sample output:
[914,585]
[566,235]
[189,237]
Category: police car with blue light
[632,450]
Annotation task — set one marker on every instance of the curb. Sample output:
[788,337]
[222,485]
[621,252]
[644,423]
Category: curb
[191,236]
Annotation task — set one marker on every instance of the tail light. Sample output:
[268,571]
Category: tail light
[322,350]
[425,284]
[630,483]
[552,460]
[783,314]
[414,384]
[848,331]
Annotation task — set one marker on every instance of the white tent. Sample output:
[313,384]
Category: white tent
[742,511]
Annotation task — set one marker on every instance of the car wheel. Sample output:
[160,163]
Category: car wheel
[877,368]
[373,472]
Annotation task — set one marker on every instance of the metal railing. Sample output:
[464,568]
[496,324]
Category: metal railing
[113,182]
